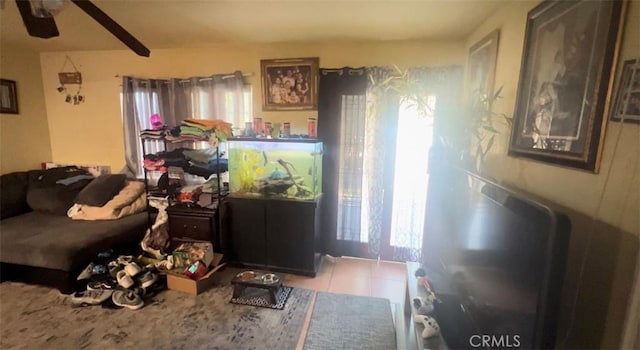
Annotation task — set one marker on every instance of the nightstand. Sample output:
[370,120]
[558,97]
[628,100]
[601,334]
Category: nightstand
[194,222]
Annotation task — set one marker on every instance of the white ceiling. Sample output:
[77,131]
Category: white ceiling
[184,23]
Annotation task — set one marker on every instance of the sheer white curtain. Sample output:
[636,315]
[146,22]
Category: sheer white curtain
[351,218]
[222,96]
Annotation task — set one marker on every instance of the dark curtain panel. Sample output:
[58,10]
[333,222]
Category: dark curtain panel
[340,95]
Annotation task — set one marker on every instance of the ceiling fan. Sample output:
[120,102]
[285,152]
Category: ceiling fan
[37,16]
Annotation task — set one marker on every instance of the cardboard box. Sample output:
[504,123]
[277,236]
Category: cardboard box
[176,280]
[188,253]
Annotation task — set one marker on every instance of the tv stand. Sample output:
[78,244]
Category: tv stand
[412,291]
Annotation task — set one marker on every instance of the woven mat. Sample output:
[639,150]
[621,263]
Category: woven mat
[260,297]
[350,322]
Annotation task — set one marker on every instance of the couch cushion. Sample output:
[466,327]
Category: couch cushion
[57,242]
[13,194]
[55,199]
[101,190]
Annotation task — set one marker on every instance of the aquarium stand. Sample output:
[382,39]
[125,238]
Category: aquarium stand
[274,234]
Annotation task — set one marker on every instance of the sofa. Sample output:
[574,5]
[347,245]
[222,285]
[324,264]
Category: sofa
[40,244]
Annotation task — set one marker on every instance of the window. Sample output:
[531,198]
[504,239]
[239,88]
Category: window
[175,101]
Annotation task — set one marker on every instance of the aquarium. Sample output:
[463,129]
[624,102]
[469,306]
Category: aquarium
[275,168]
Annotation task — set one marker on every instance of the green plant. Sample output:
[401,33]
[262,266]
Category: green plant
[468,136]
[480,122]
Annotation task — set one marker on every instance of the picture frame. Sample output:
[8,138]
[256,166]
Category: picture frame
[8,97]
[627,103]
[570,51]
[289,84]
[481,65]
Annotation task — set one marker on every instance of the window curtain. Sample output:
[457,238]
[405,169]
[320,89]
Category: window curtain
[379,158]
[221,96]
[341,118]
[444,84]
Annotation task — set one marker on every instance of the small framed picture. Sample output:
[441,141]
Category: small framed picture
[8,97]
[289,84]
[627,103]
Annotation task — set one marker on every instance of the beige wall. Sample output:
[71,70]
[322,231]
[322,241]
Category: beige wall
[92,132]
[24,137]
[612,196]
[576,189]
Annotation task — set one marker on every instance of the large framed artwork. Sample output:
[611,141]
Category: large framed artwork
[289,84]
[627,103]
[569,53]
[482,66]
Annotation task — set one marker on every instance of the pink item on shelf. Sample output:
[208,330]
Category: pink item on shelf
[156,121]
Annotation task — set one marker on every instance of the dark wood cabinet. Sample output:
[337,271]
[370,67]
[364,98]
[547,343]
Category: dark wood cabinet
[195,223]
[279,235]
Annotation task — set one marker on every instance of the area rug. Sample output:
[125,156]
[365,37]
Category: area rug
[33,317]
[260,297]
[350,322]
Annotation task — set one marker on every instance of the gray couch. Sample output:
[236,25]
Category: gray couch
[51,249]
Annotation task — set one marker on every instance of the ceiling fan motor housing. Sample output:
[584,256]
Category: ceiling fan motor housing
[46,8]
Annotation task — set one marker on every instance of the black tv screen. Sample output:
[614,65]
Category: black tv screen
[495,260]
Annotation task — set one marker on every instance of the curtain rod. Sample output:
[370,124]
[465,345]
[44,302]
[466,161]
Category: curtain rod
[201,79]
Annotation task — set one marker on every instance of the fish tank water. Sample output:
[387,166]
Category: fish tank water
[275,168]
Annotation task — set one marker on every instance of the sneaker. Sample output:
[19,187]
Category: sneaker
[132,269]
[86,273]
[147,279]
[124,279]
[90,297]
[127,298]
[114,267]
[99,285]
[124,259]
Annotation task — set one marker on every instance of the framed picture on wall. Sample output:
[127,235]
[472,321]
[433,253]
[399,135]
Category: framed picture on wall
[570,51]
[627,103]
[8,97]
[481,66]
[289,84]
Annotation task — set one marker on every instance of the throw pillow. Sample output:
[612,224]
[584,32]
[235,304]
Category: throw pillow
[101,190]
[53,199]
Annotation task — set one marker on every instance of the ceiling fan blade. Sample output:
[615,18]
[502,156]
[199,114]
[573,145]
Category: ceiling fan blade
[109,24]
[36,26]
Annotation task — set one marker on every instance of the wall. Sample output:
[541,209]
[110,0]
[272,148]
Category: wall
[612,196]
[24,137]
[92,132]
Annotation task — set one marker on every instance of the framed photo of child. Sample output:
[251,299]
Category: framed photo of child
[289,84]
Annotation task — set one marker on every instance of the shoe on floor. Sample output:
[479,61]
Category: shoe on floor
[124,259]
[147,279]
[132,269]
[124,280]
[127,298]
[114,267]
[86,273]
[99,285]
[90,297]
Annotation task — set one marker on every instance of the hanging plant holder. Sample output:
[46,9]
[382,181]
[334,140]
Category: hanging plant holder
[70,78]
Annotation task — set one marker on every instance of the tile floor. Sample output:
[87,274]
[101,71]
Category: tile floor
[344,275]
[364,277]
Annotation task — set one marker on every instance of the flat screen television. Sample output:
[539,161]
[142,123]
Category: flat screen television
[495,260]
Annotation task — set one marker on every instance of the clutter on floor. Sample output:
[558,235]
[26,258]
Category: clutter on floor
[128,281]
[119,282]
